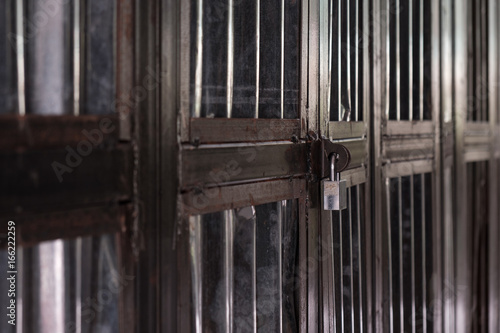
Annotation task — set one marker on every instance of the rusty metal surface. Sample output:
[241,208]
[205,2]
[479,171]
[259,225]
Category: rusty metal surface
[236,196]
[30,182]
[205,130]
[20,133]
[224,165]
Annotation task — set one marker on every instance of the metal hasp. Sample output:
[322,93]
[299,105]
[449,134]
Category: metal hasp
[336,158]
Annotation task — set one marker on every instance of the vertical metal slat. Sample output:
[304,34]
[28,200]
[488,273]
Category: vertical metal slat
[228,267]
[410,60]
[401,289]
[388,47]
[254,273]
[356,62]
[341,275]
[78,291]
[257,57]
[424,276]
[76,58]
[398,59]
[281,216]
[230,59]
[339,59]
[282,78]
[196,257]
[348,57]
[389,245]
[360,260]
[421,60]
[20,57]
[351,257]
[412,198]
[199,59]
[330,44]
[51,289]
[20,289]
[330,243]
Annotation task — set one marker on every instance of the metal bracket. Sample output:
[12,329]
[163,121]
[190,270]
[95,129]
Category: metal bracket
[343,156]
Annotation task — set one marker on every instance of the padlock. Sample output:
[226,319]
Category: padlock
[334,191]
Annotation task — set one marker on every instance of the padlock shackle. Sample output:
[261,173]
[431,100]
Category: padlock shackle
[333,175]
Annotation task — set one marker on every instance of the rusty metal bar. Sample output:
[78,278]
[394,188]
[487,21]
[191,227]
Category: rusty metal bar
[48,132]
[34,228]
[221,130]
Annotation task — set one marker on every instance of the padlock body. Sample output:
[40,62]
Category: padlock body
[334,194]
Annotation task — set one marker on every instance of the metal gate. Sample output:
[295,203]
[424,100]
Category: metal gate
[209,193]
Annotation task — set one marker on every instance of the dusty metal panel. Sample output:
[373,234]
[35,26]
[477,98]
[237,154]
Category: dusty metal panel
[410,128]
[401,149]
[345,130]
[205,130]
[219,165]
[50,132]
[358,150]
[408,168]
[216,199]
[354,177]
[477,137]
